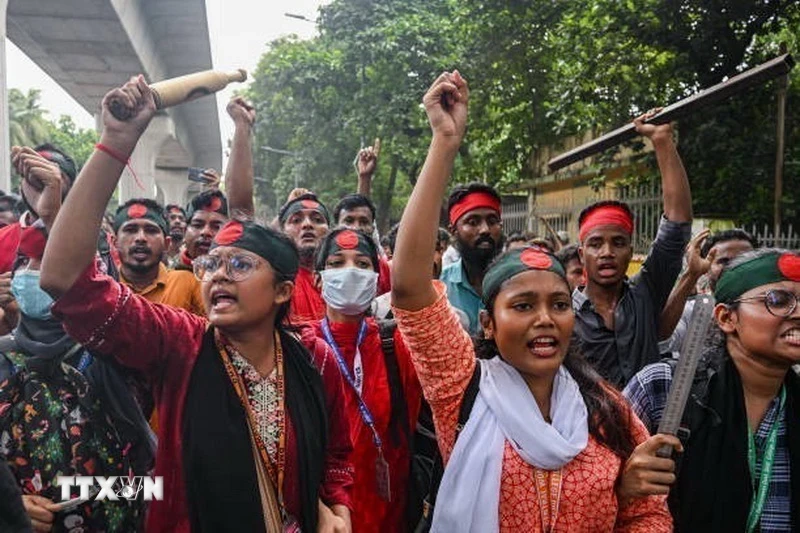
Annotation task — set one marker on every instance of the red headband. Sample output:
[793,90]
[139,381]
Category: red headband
[607,215]
[32,243]
[473,200]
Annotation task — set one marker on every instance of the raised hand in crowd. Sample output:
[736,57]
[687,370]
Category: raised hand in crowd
[41,182]
[366,163]
[446,104]
[675,183]
[213,179]
[297,192]
[239,174]
[73,241]
[696,267]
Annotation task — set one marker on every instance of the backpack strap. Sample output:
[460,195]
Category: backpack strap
[398,420]
[467,402]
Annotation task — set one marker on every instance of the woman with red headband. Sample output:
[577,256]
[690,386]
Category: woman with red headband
[545,438]
[251,436]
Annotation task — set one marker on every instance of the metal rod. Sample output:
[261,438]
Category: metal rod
[755,76]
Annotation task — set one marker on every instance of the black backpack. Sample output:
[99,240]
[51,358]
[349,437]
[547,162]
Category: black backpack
[424,519]
[427,466]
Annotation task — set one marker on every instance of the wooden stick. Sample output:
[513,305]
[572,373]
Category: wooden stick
[755,76]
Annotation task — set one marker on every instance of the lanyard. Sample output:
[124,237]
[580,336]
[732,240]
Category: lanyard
[768,459]
[355,379]
[548,491]
[276,470]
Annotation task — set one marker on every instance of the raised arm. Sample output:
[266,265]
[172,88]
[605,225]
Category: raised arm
[239,175]
[674,182]
[446,105]
[696,267]
[73,240]
[366,163]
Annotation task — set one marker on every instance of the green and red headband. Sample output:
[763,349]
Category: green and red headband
[137,211]
[304,203]
[214,202]
[515,262]
[761,270]
[265,243]
[471,201]
[606,215]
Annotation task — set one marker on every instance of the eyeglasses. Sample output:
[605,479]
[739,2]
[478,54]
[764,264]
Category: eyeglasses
[778,302]
[238,267]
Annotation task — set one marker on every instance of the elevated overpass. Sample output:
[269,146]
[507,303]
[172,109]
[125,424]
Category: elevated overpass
[91,46]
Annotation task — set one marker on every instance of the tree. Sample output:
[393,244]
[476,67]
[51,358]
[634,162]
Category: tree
[77,142]
[539,71]
[27,125]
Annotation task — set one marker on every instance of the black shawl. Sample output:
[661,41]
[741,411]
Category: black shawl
[714,491]
[220,475]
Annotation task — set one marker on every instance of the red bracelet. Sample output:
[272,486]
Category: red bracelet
[122,159]
[113,153]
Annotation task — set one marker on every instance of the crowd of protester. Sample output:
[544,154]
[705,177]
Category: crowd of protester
[309,374]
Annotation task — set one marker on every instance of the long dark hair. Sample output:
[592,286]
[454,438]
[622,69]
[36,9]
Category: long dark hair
[610,421]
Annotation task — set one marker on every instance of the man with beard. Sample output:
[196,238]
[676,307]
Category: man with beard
[176,218]
[617,319]
[141,239]
[306,221]
[206,214]
[474,212]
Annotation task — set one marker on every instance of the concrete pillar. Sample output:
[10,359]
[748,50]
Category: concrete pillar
[5,159]
[143,161]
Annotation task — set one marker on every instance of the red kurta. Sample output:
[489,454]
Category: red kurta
[164,343]
[384,276]
[9,244]
[370,512]
[307,304]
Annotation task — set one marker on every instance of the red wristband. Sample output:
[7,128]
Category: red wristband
[122,159]
[113,153]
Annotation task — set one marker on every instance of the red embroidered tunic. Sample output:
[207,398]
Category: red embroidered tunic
[370,512]
[444,357]
[164,343]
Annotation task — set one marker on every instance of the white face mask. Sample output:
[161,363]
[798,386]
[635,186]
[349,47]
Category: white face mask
[349,290]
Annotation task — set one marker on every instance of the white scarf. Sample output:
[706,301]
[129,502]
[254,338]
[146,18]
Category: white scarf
[505,410]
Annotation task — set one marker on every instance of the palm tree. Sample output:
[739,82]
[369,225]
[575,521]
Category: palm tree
[27,125]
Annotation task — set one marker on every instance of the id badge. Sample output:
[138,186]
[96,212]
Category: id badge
[382,478]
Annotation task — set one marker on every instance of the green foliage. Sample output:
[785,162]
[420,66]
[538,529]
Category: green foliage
[27,124]
[29,127]
[77,142]
[539,71]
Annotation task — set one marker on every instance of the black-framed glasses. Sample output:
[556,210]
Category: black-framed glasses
[779,302]
[238,267]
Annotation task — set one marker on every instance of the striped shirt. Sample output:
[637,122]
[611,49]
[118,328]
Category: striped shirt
[648,392]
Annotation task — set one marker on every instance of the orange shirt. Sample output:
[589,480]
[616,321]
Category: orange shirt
[176,288]
[444,358]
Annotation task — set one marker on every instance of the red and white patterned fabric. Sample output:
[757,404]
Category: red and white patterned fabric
[444,358]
